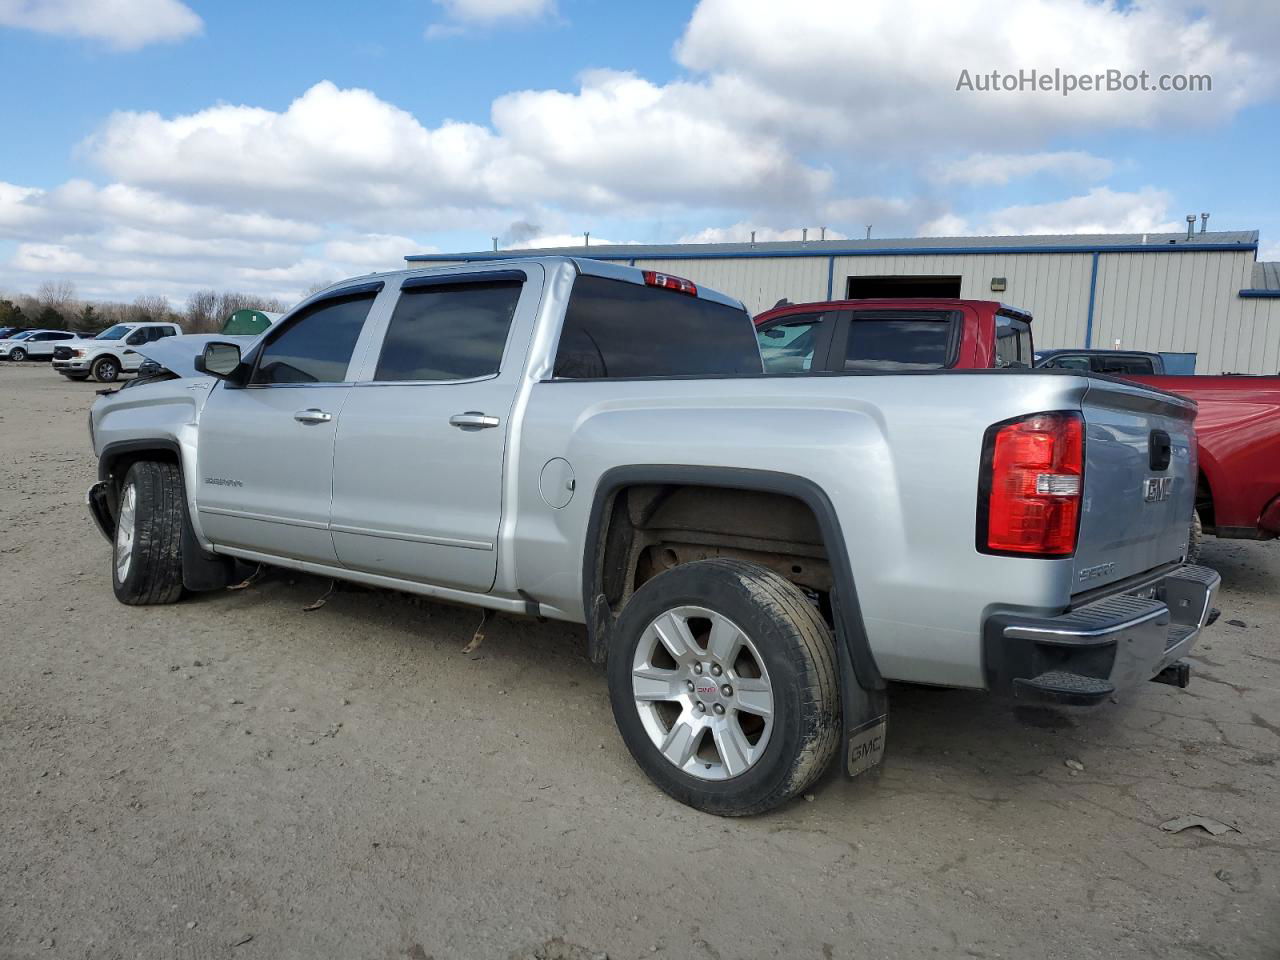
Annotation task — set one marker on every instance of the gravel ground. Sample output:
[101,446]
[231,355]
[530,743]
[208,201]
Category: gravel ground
[235,777]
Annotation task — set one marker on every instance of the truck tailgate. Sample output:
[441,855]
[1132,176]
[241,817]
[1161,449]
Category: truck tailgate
[1139,482]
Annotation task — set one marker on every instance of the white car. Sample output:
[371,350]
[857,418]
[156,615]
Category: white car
[111,352]
[34,344]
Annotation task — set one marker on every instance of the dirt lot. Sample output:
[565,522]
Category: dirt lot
[234,777]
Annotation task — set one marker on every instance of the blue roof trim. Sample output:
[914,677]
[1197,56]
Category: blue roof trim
[1263,294]
[860,252]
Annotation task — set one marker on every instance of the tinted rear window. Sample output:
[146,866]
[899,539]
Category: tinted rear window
[1013,342]
[1139,365]
[613,328]
[903,343]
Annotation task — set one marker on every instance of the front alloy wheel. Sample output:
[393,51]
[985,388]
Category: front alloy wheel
[106,370]
[17,354]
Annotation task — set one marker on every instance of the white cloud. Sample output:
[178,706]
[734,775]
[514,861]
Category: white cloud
[946,225]
[620,140]
[380,251]
[781,109]
[491,11]
[123,24]
[887,73]
[741,233]
[1101,210]
[999,169]
[546,240]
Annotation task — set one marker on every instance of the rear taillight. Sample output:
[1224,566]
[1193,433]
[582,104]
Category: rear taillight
[1031,485]
[668,282]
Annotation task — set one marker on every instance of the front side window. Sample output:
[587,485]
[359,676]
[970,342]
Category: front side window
[787,346]
[453,331]
[899,343]
[1013,342]
[618,329]
[316,345]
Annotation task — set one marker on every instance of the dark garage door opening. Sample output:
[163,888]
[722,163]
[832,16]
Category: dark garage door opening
[865,288]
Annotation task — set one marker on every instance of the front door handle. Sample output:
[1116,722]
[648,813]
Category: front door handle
[473,420]
[312,415]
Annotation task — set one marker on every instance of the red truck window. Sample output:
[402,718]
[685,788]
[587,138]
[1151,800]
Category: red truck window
[926,341]
[1013,342]
[788,346]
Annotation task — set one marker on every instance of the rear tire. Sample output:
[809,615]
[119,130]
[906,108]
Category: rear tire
[737,627]
[1194,538]
[146,555]
[106,370]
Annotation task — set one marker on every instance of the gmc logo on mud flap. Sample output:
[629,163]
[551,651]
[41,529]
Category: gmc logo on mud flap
[1156,489]
[866,746]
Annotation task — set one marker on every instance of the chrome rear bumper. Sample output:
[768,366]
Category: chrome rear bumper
[1085,655]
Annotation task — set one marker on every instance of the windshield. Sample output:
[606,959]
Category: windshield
[114,333]
[23,335]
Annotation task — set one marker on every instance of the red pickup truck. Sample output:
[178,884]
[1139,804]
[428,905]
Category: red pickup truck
[1238,425]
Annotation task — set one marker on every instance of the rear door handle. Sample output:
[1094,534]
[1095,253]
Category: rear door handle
[473,420]
[312,415]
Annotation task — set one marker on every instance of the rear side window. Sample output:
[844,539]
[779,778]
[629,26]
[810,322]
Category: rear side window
[614,329]
[922,342]
[1068,363]
[787,346]
[1139,365]
[448,331]
[1013,342]
[317,344]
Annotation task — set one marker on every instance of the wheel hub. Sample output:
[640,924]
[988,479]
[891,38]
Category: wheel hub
[703,693]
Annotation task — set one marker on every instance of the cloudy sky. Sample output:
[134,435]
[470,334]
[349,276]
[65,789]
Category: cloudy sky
[156,146]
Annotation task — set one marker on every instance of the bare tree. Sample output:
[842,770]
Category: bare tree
[202,312]
[149,308]
[58,294]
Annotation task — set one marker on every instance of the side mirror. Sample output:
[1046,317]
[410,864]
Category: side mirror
[775,333]
[219,360]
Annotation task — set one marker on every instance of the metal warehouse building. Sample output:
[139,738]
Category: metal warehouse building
[1202,294]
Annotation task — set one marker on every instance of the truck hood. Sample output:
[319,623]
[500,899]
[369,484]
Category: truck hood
[178,354]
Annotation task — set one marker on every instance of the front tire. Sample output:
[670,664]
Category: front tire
[146,555]
[106,370]
[723,681]
[17,354]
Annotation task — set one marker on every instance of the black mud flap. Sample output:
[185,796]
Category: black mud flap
[202,571]
[100,509]
[866,721]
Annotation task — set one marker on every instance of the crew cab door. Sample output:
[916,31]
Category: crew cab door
[418,464]
[265,451]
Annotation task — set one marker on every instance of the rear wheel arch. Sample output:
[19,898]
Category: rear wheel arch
[608,545]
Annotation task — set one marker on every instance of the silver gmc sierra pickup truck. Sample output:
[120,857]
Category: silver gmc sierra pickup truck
[753,557]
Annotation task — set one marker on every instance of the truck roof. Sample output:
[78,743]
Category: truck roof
[597,268]
[895,303]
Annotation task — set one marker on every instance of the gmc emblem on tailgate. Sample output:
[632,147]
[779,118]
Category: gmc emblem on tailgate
[1155,489]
